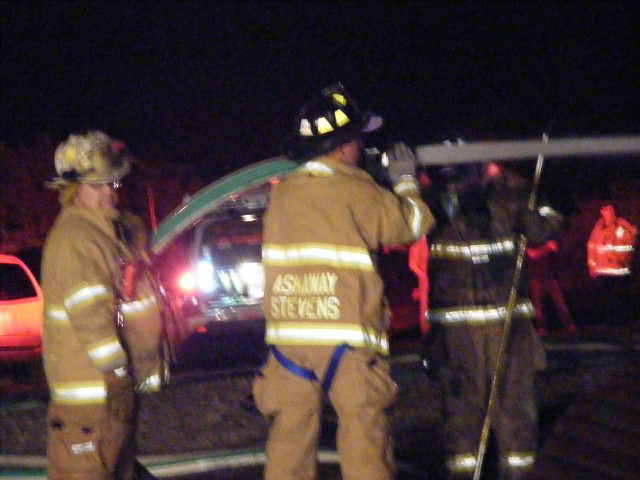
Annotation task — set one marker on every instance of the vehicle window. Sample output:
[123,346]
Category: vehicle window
[234,240]
[15,284]
[229,257]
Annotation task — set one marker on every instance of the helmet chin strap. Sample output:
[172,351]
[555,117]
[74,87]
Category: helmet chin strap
[67,194]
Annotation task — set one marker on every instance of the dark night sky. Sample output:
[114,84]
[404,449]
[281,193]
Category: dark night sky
[218,83]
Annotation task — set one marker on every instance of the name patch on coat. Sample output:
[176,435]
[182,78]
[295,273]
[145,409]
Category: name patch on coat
[305,296]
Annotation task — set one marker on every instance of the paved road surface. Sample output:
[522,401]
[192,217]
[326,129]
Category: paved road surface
[208,412]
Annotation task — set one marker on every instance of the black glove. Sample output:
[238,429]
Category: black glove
[402,162]
[533,226]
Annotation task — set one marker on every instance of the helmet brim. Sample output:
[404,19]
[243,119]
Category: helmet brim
[94,178]
[109,176]
[300,148]
[372,122]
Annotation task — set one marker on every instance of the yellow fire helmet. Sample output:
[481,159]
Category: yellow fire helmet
[91,157]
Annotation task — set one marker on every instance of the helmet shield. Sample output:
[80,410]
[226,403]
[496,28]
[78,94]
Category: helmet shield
[327,121]
[92,157]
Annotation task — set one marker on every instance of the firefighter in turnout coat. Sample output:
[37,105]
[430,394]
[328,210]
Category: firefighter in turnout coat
[323,304]
[472,263]
[101,334]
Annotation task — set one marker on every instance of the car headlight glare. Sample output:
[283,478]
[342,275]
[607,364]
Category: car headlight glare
[205,276]
[252,274]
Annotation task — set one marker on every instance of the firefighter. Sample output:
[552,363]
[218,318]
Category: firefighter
[471,268]
[101,333]
[325,321]
[610,251]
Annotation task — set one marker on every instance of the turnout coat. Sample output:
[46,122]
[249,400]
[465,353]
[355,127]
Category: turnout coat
[82,272]
[322,229]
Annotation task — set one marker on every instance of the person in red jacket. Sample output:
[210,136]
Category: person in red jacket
[611,244]
[609,253]
[542,267]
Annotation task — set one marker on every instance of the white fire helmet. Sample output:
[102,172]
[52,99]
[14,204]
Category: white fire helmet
[91,157]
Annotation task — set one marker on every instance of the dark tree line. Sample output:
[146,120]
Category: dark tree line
[28,208]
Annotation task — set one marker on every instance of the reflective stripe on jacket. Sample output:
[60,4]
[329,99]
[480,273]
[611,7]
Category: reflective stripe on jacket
[480,315]
[465,463]
[472,276]
[610,248]
[323,222]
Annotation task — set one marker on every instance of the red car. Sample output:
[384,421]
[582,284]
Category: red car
[21,310]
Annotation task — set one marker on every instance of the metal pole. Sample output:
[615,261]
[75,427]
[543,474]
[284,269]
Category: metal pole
[528,149]
[497,375]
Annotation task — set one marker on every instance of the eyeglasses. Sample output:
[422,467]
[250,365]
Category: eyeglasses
[115,185]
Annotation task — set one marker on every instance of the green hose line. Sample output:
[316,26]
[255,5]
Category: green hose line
[170,466]
[32,468]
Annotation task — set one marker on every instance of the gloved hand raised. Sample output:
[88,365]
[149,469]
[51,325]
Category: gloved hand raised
[532,225]
[402,162]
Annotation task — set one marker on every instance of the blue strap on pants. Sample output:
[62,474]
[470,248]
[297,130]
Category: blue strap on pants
[309,374]
[333,365]
[292,366]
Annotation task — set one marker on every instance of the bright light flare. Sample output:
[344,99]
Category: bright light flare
[205,276]
[252,274]
[494,170]
[187,282]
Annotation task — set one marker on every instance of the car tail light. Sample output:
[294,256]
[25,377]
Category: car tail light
[187,282]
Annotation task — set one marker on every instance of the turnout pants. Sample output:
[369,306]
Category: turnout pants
[361,391]
[470,355]
[93,442]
